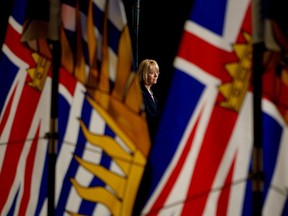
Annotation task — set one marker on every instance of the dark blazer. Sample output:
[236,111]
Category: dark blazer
[152,111]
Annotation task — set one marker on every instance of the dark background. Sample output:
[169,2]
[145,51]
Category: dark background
[161,24]
[160,29]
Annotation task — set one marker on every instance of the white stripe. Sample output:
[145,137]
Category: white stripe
[277,194]
[208,36]
[236,10]
[70,138]
[74,201]
[117,14]
[269,107]
[83,177]
[68,16]
[19,81]
[195,71]
[205,102]
[66,94]
[42,115]
[243,138]
[181,187]
[15,25]
[101,210]
[238,148]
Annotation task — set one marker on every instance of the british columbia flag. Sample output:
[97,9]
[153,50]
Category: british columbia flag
[100,159]
[202,158]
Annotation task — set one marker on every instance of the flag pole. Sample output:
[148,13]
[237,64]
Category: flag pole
[257,172]
[257,176]
[53,135]
[54,36]
[136,24]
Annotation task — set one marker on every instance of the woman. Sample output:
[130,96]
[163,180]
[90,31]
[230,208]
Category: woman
[148,72]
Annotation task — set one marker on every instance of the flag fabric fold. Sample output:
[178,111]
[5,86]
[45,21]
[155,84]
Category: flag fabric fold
[207,124]
[100,158]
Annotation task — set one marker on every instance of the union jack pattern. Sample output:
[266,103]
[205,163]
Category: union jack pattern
[207,125]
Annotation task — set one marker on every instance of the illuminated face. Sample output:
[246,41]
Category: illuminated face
[152,76]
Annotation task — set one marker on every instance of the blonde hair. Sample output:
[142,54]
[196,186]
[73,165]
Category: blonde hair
[145,67]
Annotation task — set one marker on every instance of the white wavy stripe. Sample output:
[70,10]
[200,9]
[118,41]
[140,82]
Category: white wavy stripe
[277,194]
[19,81]
[116,16]
[234,16]
[74,201]
[116,12]
[270,108]
[91,154]
[65,93]
[238,148]
[42,116]
[70,25]
[101,210]
[204,101]
[179,191]
[66,152]
[66,13]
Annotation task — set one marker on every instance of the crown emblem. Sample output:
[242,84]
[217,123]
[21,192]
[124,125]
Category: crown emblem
[39,73]
[235,91]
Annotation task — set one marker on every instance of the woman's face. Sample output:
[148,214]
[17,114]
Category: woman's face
[152,76]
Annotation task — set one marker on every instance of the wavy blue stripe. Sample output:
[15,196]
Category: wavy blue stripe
[63,116]
[73,167]
[114,33]
[87,207]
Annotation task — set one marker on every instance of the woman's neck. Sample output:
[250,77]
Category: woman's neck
[148,87]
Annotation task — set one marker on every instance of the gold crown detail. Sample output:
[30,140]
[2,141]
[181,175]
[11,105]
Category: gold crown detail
[235,91]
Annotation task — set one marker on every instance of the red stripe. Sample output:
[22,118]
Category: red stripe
[67,80]
[28,174]
[159,203]
[214,145]
[13,41]
[209,58]
[7,111]
[21,125]
[212,60]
